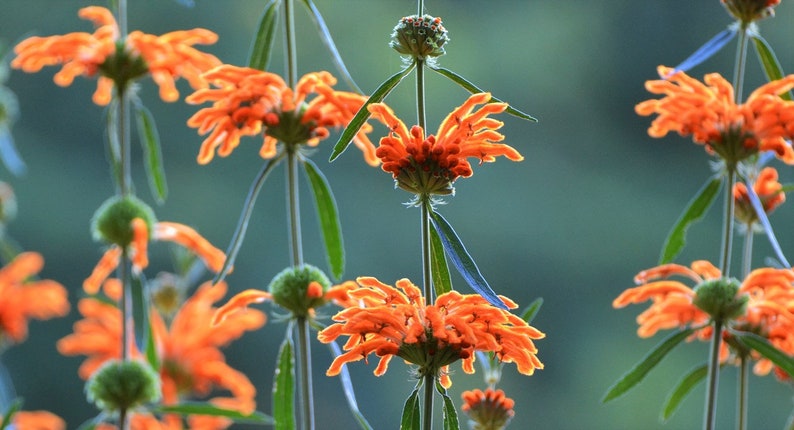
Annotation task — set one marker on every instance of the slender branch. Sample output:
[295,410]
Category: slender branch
[741,60]
[713,378]
[742,400]
[289,33]
[727,233]
[420,7]
[427,423]
[293,208]
[420,94]
[747,252]
[305,366]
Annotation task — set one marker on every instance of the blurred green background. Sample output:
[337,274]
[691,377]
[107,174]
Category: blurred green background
[587,209]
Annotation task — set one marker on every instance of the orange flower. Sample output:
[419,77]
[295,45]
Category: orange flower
[391,321]
[429,165]
[769,192]
[710,114]
[191,361]
[247,102]
[166,58]
[489,409]
[22,299]
[36,420]
[163,231]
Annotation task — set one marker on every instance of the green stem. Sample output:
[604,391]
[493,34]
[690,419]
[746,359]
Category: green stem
[420,7]
[289,33]
[293,208]
[727,233]
[427,423]
[741,60]
[742,400]
[747,252]
[427,280]
[420,94]
[305,366]
[713,378]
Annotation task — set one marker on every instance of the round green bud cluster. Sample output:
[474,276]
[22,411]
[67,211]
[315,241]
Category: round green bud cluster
[124,385]
[419,37]
[718,298]
[290,289]
[112,222]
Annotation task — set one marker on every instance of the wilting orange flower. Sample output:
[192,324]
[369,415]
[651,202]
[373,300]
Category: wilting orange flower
[769,192]
[192,364]
[22,298]
[489,409]
[389,322]
[163,231]
[429,165]
[710,114]
[247,102]
[36,420]
[166,58]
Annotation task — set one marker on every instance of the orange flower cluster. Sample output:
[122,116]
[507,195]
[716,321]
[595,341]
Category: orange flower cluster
[166,58]
[769,192]
[710,114]
[247,102]
[389,322]
[431,164]
[489,409]
[22,299]
[36,420]
[191,361]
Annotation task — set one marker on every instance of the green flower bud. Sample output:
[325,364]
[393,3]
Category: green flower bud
[718,298]
[419,37]
[112,222]
[292,289]
[123,385]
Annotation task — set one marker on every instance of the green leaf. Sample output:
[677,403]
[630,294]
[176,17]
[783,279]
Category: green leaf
[201,408]
[450,413]
[694,211]
[325,36]
[763,347]
[532,310]
[683,388]
[641,369]
[769,61]
[140,313]
[363,114]
[284,387]
[152,152]
[8,416]
[411,419]
[463,261]
[474,89]
[328,215]
[347,388]
[438,265]
[245,216]
[259,57]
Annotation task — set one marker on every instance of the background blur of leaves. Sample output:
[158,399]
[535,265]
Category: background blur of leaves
[573,223]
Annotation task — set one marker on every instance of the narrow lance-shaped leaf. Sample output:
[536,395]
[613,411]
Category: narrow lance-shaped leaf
[201,408]
[683,388]
[463,261]
[259,57]
[641,369]
[532,310]
[284,387]
[766,349]
[708,49]
[764,220]
[152,152]
[694,211]
[328,215]
[411,419]
[140,312]
[242,224]
[470,87]
[347,388]
[8,416]
[325,36]
[450,413]
[438,265]
[769,61]
[363,113]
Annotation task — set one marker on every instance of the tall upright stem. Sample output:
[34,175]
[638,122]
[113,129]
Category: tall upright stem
[420,94]
[713,378]
[727,233]
[741,60]
[305,366]
[293,209]
[741,414]
[289,33]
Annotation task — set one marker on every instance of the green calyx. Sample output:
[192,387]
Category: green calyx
[122,385]
[112,222]
[419,37]
[123,68]
[290,289]
[719,299]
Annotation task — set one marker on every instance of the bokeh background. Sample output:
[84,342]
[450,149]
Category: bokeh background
[587,209]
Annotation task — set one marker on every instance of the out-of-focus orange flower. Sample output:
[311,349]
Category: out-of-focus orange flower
[22,298]
[489,409]
[163,231]
[710,114]
[37,420]
[146,421]
[769,192]
[748,11]
[247,102]
[119,59]
[429,165]
[389,322]
[192,364]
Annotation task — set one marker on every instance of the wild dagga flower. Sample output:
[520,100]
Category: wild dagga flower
[487,410]
[22,298]
[389,322]
[708,111]
[748,11]
[426,165]
[769,192]
[118,60]
[247,102]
